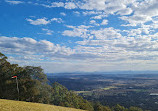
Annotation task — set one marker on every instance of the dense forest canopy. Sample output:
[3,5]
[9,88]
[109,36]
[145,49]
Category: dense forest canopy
[34,87]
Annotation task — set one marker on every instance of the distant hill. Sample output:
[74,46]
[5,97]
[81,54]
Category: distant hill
[98,73]
[9,105]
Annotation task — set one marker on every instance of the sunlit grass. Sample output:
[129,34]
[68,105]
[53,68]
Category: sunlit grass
[90,92]
[9,105]
[108,88]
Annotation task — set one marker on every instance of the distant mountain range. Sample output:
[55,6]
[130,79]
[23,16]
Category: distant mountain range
[112,72]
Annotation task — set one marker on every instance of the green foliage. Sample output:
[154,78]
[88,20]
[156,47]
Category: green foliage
[119,108]
[8,85]
[98,107]
[135,109]
[61,96]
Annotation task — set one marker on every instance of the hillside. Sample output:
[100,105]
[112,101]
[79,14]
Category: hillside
[9,105]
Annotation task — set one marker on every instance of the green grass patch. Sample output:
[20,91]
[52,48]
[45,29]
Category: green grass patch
[108,88]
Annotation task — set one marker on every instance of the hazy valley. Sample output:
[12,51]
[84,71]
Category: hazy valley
[139,90]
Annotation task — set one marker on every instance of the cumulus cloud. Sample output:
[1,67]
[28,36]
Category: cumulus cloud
[42,21]
[109,6]
[136,19]
[67,5]
[140,44]
[138,31]
[104,22]
[84,32]
[126,11]
[148,8]
[100,16]
[30,46]
[106,33]
[140,11]
[123,49]
[85,13]
[93,22]
[48,32]
[76,13]
[80,31]
[143,11]
[63,14]
[70,5]
[93,4]
[55,4]
[58,20]
[108,44]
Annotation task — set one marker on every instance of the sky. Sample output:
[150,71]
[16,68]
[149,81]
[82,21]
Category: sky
[80,35]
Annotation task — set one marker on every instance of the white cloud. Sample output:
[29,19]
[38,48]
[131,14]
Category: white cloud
[148,8]
[92,5]
[63,14]
[139,44]
[77,13]
[106,33]
[70,5]
[93,22]
[76,33]
[56,4]
[42,21]
[136,19]
[48,32]
[80,31]
[99,16]
[92,12]
[108,6]
[67,5]
[122,49]
[84,32]
[29,46]
[126,11]
[58,20]
[14,2]
[104,22]
[143,11]
[138,32]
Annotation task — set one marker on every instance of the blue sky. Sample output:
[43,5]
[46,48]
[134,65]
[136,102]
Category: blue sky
[80,35]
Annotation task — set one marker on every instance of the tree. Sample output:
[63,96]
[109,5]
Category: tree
[98,107]
[135,109]
[61,96]
[32,82]
[8,85]
[119,108]
[33,85]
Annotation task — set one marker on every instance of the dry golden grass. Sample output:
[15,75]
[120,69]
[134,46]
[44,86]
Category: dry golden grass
[9,105]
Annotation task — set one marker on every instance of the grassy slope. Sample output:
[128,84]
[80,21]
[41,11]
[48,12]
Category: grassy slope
[9,105]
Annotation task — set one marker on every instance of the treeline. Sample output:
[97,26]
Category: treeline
[34,87]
